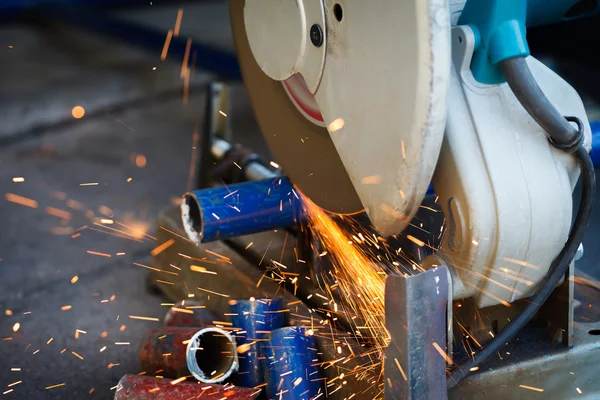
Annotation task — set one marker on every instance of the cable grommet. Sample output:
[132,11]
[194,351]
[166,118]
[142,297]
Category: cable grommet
[577,141]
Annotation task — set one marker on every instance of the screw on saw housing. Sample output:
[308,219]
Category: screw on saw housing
[316,35]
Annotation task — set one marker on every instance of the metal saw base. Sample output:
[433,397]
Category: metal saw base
[550,374]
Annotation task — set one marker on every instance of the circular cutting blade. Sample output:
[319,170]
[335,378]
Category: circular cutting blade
[382,99]
[303,149]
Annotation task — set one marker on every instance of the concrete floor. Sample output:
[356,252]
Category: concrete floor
[131,110]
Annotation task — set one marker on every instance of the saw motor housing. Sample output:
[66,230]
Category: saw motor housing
[385,103]
[505,191]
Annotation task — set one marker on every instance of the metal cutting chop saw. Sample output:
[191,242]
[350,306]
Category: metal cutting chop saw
[364,103]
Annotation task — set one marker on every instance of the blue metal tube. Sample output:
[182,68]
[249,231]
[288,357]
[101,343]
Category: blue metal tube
[595,143]
[241,209]
[255,318]
[291,365]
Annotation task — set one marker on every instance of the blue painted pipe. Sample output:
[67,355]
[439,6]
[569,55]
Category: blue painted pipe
[595,143]
[241,209]
[291,365]
[255,318]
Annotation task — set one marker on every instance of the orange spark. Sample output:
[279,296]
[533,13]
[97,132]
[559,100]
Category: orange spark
[24,201]
[358,277]
[442,353]
[336,125]
[203,270]
[78,112]
[165,50]
[144,318]
[371,180]
[186,58]
[58,213]
[95,253]
[178,22]
[176,381]
[162,247]
[182,310]
[531,388]
[400,368]
[140,161]
[55,386]
[416,241]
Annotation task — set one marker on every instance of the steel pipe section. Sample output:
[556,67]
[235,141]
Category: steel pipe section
[255,318]
[241,209]
[209,354]
[138,387]
[291,365]
[252,170]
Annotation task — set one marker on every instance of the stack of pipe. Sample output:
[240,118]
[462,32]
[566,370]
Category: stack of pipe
[255,319]
[192,358]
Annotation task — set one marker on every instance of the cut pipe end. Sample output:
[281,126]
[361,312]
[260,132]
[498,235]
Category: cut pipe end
[191,216]
[211,355]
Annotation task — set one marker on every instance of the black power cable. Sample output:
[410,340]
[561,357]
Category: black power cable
[526,90]
[565,137]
